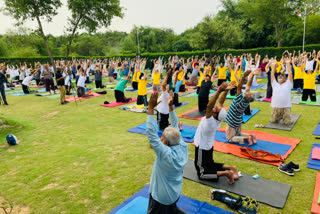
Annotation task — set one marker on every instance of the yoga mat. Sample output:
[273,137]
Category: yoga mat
[197,95]
[295,99]
[188,91]
[265,191]
[309,102]
[246,118]
[131,89]
[267,99]
[115,104]
[315,154]
[13,91]
[315,206]
[282,126]
[187,133]
[257,86]
[23,94]
[76,98]
[231,97]
[141,198]
[136,108]
[194,114]
[234,149]
[314,164]
[317,130]
[259,96]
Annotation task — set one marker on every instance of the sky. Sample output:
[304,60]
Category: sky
[178,15]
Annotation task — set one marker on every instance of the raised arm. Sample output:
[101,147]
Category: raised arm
[224,94]
[214,99]
[242,81]
[256,72]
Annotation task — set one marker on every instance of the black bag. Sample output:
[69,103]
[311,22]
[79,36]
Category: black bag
[102,92]
[231,201]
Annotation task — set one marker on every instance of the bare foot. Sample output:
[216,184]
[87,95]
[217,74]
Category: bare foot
[180,126]
[254,139]
[250,141]
[235,172]
[231,177]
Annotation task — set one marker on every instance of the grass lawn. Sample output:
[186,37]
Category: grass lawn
[80,159]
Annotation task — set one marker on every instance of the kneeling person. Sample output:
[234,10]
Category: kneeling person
[204,139]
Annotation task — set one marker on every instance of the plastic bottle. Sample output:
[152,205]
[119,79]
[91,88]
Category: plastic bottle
[227,199]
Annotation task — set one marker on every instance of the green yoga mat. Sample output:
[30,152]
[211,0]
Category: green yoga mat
[309,102]
[231,97]
[197,95]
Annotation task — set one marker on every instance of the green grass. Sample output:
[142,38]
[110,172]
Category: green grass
[80,159]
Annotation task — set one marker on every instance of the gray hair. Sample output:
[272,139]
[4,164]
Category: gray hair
[172,135]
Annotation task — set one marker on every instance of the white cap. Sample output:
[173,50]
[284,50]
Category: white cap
[222,115]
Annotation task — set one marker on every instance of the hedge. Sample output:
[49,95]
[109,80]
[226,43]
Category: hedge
[271,51]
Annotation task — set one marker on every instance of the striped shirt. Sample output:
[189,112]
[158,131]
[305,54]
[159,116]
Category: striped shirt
[235,113]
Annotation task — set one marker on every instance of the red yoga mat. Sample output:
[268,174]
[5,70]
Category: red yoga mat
[316,154]
[76,98]
[235,149]
[315,206]
[115,104]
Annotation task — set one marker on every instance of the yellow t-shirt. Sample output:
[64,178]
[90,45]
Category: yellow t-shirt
[278,69]
[309,80]
[233,77]
[199,82]
[222,73]
[142,87]
[205,68]
[297,72]
[138,75]
[180,75]
[156,78]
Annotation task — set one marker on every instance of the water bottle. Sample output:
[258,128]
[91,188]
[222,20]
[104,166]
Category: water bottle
[228,200]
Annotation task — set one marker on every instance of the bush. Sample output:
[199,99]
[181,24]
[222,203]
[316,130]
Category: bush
[271,51]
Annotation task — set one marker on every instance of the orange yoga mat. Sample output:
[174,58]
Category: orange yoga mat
[315,206]
[76,98]
[235,149]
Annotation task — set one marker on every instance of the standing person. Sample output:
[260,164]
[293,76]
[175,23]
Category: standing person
[203,98]
[298,74]
[135,79]
[142,90]
[38,75]
[309,78]
[163,107]
[81,82]
[60,83]
[119,90]
[181,76]
[281,98]
[236,110]
[156,79]
[98,76]
[172,157]
[48,80]
[177,83]
[67,73]
[110,73]
[204,138]
[222,73]
[3,79]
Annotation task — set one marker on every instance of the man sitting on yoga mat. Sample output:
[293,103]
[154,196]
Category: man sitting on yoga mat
[204,92]
[172,157]
[204,139]
[119,90]
[281,98]
[236,110]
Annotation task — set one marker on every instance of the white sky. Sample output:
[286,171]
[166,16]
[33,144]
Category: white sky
[178,15]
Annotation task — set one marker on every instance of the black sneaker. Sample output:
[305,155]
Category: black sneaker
[285,169]
[293,166]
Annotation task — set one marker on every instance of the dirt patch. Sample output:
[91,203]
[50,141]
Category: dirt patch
[11,150]
[15,209]
[50,186]
[50,115]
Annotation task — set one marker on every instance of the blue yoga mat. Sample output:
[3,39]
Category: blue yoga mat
[187,133]
[274,148]
[131,89]
[314,164]
[138,203]
[246,118]
[317,130]
[257,87]
[23,94]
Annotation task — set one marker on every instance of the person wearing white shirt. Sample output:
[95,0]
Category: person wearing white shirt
[281,95]
[81,83]
[26,83]
[206,167]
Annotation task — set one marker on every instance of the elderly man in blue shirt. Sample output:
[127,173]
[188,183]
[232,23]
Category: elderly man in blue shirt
[172,156]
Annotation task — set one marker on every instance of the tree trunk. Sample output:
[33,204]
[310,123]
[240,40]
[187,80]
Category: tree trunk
[72,36]
[278,34]
[46,42]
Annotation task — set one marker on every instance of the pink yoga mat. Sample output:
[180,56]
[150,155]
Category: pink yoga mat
[316,154]
[76,98]
[115,104]
[267,99]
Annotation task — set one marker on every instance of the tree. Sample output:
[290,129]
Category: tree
[182,45]
[262,12]
[34,10]
[214,33]
[91,14]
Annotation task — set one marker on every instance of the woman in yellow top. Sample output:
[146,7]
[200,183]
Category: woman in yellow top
[235,75]
[298,75]
[180,77]
[135,79]
[222,73]
[156,80]
[309,81]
